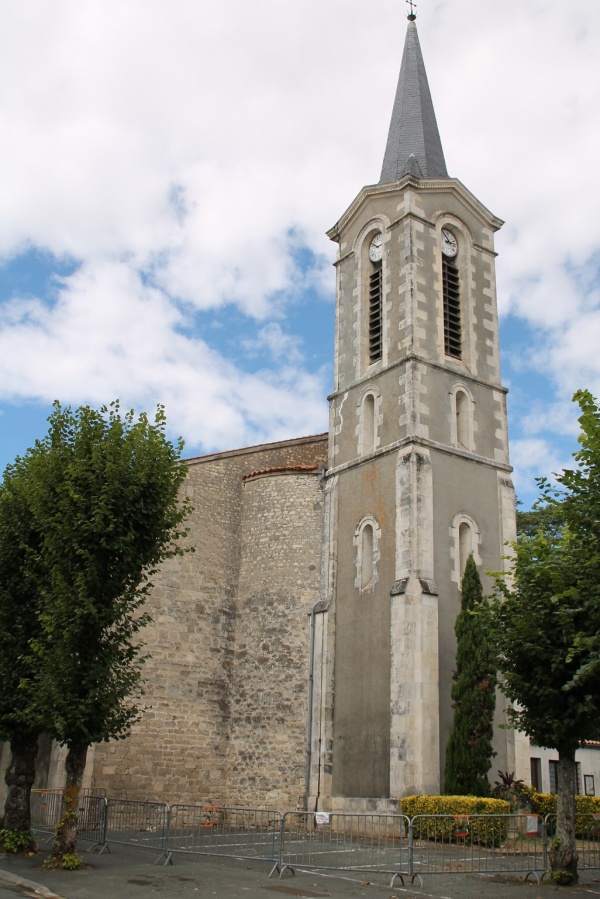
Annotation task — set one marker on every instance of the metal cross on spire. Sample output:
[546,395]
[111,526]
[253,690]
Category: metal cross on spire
[412,15]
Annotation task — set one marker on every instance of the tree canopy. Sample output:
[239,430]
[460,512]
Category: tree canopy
[86,516]
[103,490]
[548,621]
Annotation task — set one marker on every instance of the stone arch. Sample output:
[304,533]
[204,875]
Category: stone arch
[461,272]
[372,276]
[465,538]
[368,411]
[367,536]
[462,422]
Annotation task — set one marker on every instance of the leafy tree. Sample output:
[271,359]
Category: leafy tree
[20,592]
[101,491]
[541,517]
[469,749]
[548,627]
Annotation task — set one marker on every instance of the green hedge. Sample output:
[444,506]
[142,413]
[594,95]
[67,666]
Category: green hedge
[454,826]
[585,808]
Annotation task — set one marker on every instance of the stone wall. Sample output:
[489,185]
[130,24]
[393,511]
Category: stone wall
[279,584]
[179,750]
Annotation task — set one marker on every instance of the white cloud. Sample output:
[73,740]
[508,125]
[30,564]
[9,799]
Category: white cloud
[184,152]
[558,417]
[109,335]
[535,458]
[273,340]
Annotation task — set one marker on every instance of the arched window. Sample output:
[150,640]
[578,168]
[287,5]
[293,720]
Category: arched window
[451,295]
[462,424]
[462,410]
[366,568]
[366,540]
[465,544]
[368,423]
[375,309]
[465,538]
[368,420]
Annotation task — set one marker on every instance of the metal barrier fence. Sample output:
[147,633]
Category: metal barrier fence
[46,806]
[233,832]
[133,823]
[587,838]
[363,842]
[477,844]
[372,843]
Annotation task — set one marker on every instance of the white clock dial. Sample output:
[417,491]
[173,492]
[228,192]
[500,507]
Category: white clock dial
[449,243]
[376,248]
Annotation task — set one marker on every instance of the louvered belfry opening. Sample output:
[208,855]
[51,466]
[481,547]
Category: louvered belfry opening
[375,313]
[452,333]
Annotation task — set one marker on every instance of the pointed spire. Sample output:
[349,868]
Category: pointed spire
[413,146]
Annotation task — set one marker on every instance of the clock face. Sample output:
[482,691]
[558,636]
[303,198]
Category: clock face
[376,248]
[449,243]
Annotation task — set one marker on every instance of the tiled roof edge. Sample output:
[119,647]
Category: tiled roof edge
[284,469]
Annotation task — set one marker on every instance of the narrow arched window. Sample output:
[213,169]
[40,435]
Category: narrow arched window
[366,568]
[368,423]
[465,538]
[462,419]
[366,540]
[451,292]
[465,544]
[375,299]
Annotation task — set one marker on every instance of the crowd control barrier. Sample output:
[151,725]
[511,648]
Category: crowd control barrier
[371,843]
[232,832]
[477,844]
[46,806]
[587,839]
[138,823]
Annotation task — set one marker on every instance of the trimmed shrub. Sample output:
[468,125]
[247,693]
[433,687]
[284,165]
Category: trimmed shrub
[460,821]
[585,808]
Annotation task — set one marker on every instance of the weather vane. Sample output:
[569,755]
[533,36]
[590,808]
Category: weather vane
[412,15]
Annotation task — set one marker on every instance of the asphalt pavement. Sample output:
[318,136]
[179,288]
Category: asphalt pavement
[129,873]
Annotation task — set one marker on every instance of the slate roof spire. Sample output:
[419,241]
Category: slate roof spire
[413,145]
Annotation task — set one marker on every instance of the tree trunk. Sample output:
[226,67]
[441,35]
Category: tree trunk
[66,832]
[563,853]
[19,778]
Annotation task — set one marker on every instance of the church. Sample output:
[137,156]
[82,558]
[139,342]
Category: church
[302,656]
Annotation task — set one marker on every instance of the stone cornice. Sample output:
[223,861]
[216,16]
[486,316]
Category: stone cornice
[417,441]
[414,357]
[421,184]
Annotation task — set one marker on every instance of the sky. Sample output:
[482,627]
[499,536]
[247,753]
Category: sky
[168,169]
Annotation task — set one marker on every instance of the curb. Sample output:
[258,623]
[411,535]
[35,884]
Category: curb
[37,888]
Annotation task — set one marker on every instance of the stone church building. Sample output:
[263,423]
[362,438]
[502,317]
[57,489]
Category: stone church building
[304,653]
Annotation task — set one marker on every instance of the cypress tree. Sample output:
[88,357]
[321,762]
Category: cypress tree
[469,749]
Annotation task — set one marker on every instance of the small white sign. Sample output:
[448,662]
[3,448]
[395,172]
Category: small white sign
[322,819]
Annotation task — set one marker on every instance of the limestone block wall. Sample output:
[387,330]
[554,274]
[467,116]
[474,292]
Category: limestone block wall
[279,584]
[179,749]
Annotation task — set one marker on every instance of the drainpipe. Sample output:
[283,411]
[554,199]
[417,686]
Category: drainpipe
[319,606]
[311,671]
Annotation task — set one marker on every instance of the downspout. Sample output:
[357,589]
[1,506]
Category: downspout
[319,606]
[311,673]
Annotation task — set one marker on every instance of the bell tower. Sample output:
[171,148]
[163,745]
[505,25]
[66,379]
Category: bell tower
[418,474]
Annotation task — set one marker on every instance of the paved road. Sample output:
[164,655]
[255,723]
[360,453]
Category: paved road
[130,874]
